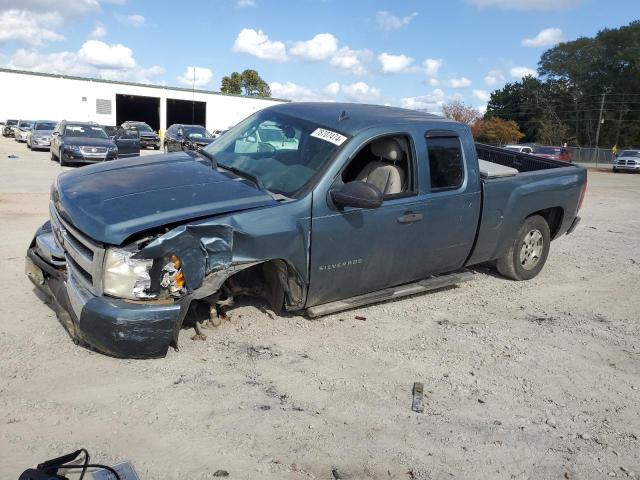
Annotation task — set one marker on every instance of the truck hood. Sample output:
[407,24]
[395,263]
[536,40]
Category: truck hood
[111,201]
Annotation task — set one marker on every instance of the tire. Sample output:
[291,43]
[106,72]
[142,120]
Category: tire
[528,253]
[615,170]
[156,147]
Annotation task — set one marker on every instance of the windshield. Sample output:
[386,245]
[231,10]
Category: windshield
[196,132]
[12,122]
[45,126]
[548,150]
[110,130]
[84,131]
[285,159]
[142,127]
[25,123]
[630,153]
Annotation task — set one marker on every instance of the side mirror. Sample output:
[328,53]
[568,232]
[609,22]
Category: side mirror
[357,194]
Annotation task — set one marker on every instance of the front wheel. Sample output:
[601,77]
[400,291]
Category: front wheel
[528,253]
[156,147]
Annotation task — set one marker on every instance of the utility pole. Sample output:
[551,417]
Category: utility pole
[193,98]
[600,118]
[622,107]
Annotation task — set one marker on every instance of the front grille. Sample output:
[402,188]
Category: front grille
[84,256]
[93,150]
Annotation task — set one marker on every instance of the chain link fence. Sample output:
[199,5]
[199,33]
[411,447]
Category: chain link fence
[592,157]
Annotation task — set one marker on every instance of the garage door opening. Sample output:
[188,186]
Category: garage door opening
[187,112]
[136,108]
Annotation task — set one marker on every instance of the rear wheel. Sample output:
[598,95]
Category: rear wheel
[528,253]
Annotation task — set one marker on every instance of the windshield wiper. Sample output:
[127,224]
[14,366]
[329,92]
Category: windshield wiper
[248,176]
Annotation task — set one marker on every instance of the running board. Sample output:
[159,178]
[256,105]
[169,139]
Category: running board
[431,283]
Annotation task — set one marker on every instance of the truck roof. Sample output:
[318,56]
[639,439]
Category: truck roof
[357,116]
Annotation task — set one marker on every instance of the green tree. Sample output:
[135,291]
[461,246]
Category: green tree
[232,84]
[248,83]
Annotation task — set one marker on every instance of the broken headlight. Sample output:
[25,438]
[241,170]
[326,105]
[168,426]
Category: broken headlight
[125,277]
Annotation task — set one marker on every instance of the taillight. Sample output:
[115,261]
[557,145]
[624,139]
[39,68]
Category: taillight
[582,194]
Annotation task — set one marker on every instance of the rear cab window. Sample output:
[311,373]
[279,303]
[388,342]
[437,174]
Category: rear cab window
[446,162]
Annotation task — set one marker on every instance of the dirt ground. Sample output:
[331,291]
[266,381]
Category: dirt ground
[537,379]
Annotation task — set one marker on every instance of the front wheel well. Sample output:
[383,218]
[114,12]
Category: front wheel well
[553,217]
[275,281]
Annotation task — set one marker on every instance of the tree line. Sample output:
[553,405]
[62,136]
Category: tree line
[588,93]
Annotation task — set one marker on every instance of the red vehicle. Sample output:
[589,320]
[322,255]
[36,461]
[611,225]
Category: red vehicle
[554,153]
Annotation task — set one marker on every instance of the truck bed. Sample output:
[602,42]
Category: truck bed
[522,162]
[540,185]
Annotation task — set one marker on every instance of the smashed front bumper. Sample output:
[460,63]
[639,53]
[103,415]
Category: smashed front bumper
[111,326]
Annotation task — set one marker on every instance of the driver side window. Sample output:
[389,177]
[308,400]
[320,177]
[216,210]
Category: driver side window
[386,162]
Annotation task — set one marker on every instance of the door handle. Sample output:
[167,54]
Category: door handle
[410,217]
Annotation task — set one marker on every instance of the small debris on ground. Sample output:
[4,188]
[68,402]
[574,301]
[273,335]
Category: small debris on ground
[360,317]
[418,393]
[335,473]
[220,473]
[13,156]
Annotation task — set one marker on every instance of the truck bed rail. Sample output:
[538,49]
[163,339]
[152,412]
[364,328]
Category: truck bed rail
[523,162]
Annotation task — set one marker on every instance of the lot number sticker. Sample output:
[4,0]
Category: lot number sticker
[329,136]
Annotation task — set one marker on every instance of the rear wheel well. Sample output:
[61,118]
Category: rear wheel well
[554,217]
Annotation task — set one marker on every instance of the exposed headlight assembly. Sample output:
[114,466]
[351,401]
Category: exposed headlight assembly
[125,277]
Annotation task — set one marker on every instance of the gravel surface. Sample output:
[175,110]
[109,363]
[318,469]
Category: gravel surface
[535,379]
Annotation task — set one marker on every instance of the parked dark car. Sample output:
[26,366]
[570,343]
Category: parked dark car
[148,137]
[21,130]
[7,128]
[126,139]
[39,138]
[554,153]
[369,203]
[186,137]
[80,143]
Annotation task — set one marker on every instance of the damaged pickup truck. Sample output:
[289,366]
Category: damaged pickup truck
[349,205]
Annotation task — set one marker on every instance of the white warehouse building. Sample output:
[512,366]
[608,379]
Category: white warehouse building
[42,96]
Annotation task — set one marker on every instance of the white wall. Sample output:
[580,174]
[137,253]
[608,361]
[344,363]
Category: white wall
[37,97]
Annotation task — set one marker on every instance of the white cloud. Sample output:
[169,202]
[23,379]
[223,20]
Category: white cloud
[494,77]
[99,32]
[72,63]
[394,63]
[134,20]
[30,27]
[387,21]
[433,82]
[196,76]
[320,47]
[245,3]
[67,8]
[546,37]
[427,103]
[99,54]
[333,89]
[547,5]
[519,72]
[360,92]
[259,45]
[356,92]
[462,82]
[481,95]
[353,61]
[431,66]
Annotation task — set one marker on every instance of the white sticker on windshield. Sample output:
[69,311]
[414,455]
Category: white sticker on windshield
[329,136]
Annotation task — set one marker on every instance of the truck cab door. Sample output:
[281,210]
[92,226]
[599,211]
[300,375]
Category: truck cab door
[359,250]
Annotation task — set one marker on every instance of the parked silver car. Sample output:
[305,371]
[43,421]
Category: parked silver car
[20,131]
[627,161]
[40,135]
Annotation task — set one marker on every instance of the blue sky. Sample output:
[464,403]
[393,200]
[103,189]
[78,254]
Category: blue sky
[413,53]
